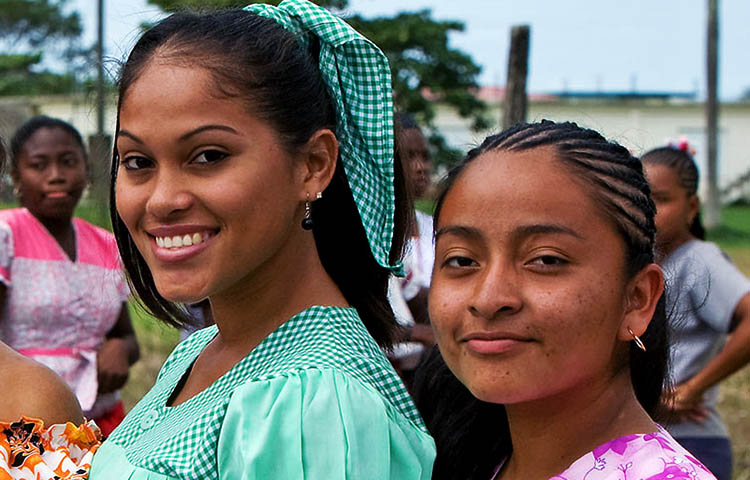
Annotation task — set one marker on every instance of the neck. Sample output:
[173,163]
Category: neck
[666,249]
[57,227]
[285,285]
[550,434]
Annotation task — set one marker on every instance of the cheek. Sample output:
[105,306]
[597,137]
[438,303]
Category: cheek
[128,203]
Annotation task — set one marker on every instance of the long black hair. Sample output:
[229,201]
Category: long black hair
[472,436]
[258,62]
[683,164]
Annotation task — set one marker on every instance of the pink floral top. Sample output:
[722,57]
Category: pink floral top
[650,456]
[59,311]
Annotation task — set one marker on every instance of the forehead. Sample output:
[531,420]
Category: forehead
[661,177]
[412,139]
[501,190]
[165,93]
[50,137]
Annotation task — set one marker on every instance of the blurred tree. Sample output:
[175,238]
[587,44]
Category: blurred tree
[28,30]
[424,67]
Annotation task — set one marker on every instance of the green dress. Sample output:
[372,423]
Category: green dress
[316,399]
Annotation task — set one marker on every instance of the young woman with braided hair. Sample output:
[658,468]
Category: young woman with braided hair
[709,299]
[546,303]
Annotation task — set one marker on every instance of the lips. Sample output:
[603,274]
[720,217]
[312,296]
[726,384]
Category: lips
[57,195]
[493,343]
[177,243]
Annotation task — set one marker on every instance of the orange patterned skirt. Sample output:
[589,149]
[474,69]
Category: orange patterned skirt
[62,451]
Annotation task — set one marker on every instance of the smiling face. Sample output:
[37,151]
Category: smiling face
[527,294]
[50,174]
[207,192]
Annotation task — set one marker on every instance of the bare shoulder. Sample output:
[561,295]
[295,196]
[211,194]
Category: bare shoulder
[33,390]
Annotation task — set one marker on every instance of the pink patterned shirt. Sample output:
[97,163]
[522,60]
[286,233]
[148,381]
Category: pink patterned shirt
[58,311]
[650,456]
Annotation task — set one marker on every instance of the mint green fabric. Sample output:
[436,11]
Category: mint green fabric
[333,428]
[316,396]
[359,81]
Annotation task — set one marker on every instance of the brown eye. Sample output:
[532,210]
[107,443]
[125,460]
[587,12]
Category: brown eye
[460,262]
[210,156]
[136,163]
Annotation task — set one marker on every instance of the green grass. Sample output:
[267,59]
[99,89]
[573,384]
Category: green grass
[156,341]
[735,228]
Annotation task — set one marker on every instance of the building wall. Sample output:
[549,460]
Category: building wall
[639,127]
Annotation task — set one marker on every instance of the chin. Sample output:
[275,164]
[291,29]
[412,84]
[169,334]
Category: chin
[181,294]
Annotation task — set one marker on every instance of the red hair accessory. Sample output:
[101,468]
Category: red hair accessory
[683,145]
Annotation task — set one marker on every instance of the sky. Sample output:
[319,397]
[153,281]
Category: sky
[576,45]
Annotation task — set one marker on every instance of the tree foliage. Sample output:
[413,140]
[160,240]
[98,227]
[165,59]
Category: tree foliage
[28,30]
[425,68]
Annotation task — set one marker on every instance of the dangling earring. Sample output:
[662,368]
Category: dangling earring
[307,222]
[637,340]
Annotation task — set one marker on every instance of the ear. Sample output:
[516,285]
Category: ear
[319,157]
[643,294]
[693,208]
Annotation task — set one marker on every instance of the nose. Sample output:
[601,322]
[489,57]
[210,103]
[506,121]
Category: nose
[55,173]
[495,294]
[170,195]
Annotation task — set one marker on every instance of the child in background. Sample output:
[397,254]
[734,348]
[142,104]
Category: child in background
[709,299]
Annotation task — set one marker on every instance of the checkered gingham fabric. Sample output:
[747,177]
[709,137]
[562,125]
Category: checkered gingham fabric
[181,441]
[359,80]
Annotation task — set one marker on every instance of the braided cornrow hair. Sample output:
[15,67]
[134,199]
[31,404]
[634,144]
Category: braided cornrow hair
[472,436]
[683,164]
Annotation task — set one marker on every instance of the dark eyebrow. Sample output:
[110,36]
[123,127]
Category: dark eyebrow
[209,127]
[125,133]
[460,230]
[545,228]
[189,134]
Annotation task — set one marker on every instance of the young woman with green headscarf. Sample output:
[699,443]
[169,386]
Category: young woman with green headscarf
[254,167]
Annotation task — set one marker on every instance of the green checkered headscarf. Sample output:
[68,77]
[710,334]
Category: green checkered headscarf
[359,81]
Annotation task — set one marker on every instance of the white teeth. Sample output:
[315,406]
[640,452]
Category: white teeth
[179,241]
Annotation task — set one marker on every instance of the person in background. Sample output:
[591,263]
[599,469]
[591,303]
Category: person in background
[548,312]
[710,302]
[62,292]
[254,166]
[43,434]
[409,293]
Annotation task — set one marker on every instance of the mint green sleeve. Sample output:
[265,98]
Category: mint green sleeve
[319,425]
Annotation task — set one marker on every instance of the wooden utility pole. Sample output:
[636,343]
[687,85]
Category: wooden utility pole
[712,211]
[100,144]
[518,68]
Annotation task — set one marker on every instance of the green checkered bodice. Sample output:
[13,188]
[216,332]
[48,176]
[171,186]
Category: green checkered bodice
[181,441]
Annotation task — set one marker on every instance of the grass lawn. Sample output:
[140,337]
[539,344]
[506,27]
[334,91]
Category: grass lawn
[734,238]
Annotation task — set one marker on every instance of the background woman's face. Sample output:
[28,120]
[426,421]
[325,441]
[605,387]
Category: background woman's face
[50,174]
[205,189]
[528,288]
